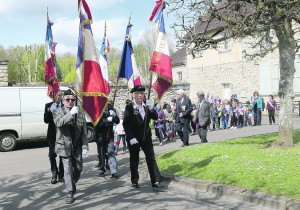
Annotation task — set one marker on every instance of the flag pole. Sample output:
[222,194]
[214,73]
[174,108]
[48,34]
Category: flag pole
[150,85]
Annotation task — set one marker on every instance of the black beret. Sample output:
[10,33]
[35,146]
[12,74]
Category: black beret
[69,92]
[137,88]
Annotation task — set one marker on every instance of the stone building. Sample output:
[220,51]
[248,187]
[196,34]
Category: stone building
[225,71]
[3,72]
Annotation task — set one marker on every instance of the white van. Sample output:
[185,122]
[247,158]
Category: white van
[22,115]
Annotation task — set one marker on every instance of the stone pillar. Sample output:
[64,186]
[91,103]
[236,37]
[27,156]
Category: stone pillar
[3,73]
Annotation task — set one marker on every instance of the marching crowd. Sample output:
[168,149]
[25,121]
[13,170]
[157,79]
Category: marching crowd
[67,131]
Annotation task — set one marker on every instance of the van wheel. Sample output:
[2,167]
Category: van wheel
[90,133]
[8,142]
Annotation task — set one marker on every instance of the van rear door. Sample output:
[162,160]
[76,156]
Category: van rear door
[10,112]
[33,102]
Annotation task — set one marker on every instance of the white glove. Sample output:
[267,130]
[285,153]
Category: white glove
[150,104]
[133,141]
[110,118]
[74,110]
[112,113]
[52,107]
[84,152]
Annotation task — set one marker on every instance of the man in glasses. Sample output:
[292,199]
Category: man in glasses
[71,141]
[136,115]
[51,137]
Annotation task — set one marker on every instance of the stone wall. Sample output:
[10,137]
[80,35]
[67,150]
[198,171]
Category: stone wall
[3,73]
[123,93]
[242,79]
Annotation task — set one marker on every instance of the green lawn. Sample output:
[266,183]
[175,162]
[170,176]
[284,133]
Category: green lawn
[245,162]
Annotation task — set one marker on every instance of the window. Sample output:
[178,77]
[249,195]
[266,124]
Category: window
[225,46]
[179,74]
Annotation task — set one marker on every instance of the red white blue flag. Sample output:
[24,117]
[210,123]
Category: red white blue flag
[103,62]
[161,63]
[90,84]
[158,10]
[128,68]
[50,66]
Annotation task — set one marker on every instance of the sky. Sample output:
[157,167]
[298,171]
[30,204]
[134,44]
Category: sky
[23,22]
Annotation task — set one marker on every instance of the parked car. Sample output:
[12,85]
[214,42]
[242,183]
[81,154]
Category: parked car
[22,115]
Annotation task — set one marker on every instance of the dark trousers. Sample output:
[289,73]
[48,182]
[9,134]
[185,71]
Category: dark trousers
[52,157]
[72,169]
[241,120]
[106,151]
[182,129]
[271,116]
[134,151]
[257,116]
[233,121]
[202,132]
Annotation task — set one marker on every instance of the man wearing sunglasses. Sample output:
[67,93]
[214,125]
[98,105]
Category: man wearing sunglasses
[71,141]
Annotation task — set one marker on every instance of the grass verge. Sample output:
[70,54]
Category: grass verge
[244,162]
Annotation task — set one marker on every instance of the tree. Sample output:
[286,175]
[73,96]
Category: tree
[113,62]
[144,51]
[271,22]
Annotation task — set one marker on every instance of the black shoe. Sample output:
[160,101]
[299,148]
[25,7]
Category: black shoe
[102,174]
[157,186]
[53,180]
[115,176]
[70,198]
[135,185]
[61,180]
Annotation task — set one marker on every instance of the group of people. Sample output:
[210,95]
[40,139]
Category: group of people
[67,131]
[184,118]
[67,138]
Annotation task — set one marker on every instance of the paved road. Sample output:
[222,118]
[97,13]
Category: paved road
[25,182]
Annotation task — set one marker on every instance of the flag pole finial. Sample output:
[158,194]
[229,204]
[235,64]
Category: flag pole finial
[129,21]
[105,27]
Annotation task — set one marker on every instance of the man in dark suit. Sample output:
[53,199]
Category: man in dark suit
[136,115]
[183,116]
[105,141]
[51,137]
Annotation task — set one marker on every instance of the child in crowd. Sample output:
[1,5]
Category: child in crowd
[214,117]
[219,115]
[248,114]
[227,106]
[193,121]
[233,116]
[241,113]
[119,130]
[224,116]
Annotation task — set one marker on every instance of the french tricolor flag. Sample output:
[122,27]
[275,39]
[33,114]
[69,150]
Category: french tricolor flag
[128,68]
[90,84]
[50,71]
[103,62]
[158,10]
[161,63]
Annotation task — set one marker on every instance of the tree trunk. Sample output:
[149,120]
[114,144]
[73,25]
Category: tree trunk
[287,69]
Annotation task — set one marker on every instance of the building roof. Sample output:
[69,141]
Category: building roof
[179,58]
[204,26]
